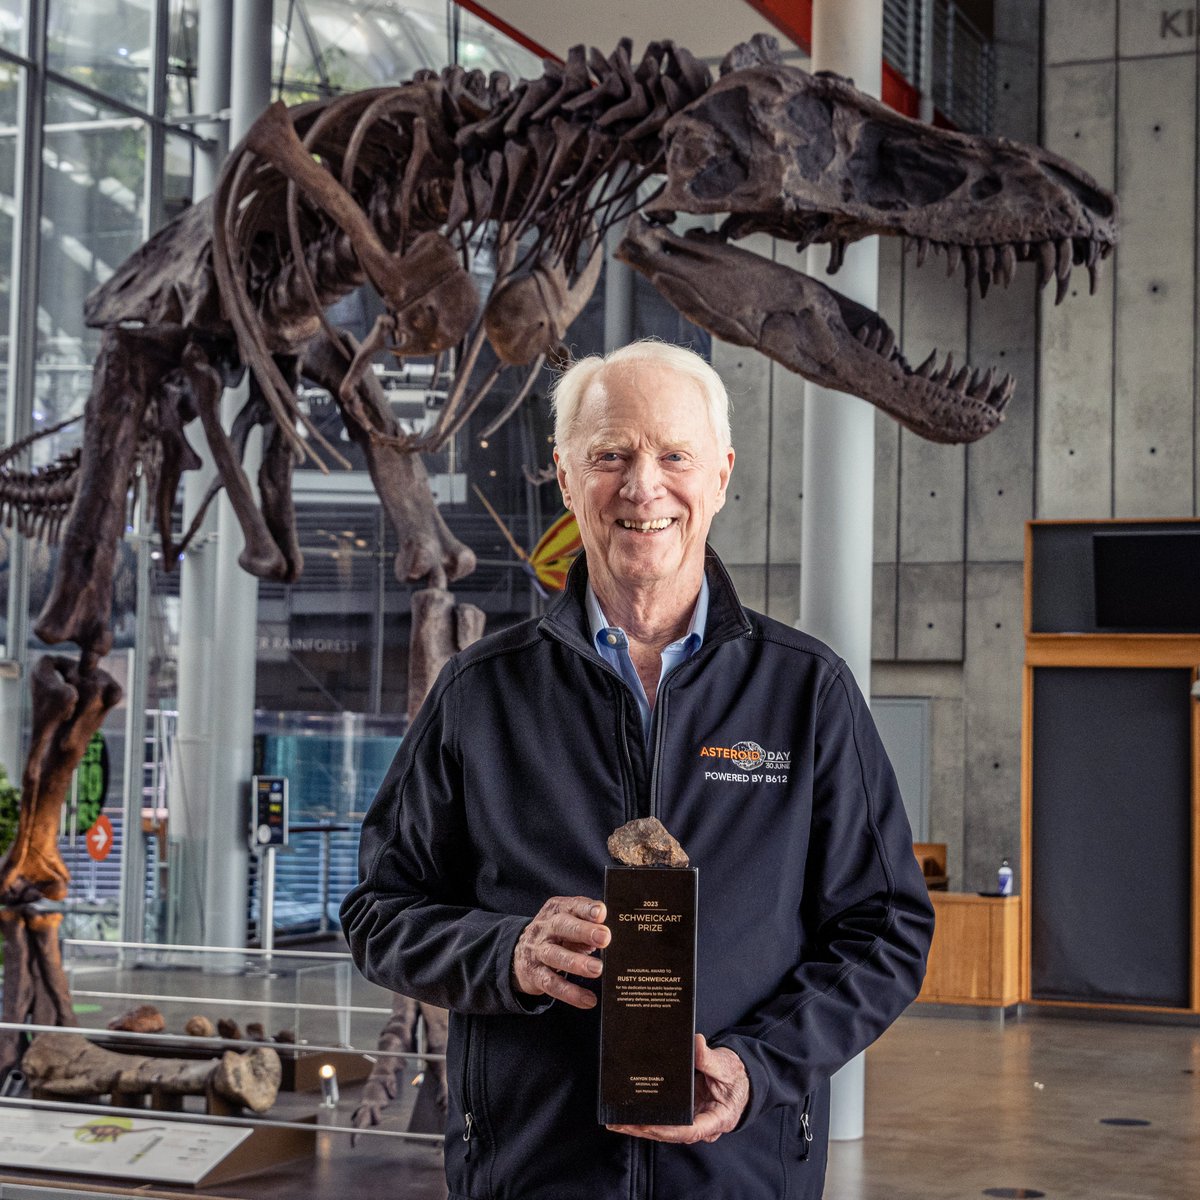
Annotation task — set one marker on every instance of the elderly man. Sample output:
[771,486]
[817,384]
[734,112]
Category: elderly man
[482,854]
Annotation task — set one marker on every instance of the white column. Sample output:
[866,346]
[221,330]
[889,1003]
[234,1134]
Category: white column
[190,789]
[22,379]
[618,293]
[235,632]
[839,459]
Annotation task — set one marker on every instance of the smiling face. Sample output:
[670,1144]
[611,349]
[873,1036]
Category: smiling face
[644,473]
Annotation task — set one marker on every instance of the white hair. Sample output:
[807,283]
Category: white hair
[574,382]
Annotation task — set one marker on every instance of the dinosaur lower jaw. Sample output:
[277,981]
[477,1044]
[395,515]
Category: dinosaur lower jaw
[815,331]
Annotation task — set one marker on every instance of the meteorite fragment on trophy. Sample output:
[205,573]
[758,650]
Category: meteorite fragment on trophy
[646,843]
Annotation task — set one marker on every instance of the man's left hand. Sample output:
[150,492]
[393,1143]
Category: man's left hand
[722,1093]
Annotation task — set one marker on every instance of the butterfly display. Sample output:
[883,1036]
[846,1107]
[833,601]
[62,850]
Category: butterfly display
[549,561]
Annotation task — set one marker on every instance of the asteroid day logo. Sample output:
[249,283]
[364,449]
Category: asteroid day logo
[749,755]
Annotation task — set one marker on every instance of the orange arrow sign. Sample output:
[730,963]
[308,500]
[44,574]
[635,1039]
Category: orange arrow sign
[100,838]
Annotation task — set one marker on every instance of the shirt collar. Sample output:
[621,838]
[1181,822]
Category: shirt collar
[600,627]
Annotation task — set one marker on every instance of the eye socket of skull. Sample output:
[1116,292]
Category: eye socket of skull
[719,136]
[1090,197]
[892,170]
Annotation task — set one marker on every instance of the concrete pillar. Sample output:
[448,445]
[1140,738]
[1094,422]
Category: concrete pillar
[190,795]
[235,634]
[22,380]
[839,459]
[219,601]
[618,293]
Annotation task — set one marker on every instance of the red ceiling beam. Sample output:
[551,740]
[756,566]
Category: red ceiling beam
[793,18]
[508,30]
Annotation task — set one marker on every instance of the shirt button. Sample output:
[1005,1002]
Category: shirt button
[612,639]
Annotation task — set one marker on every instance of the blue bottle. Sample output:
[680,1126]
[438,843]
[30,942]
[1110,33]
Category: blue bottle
[1004,878]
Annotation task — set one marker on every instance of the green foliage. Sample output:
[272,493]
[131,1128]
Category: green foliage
[10,805]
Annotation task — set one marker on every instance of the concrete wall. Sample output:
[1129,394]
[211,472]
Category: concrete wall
[1105,421]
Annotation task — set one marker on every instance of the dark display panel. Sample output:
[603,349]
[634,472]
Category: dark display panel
[1148,581]
[1111,823]
[1115,577]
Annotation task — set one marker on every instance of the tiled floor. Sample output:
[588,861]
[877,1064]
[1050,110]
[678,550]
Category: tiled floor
[956,1107]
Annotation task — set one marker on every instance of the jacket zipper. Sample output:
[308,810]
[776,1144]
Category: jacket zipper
[627,772]
[805,1127]
[657,725]
[465,1090]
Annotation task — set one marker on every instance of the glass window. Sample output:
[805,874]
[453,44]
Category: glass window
[179,163]
[93,177]
[483,46]
[182,48]
[104,44]
[10,83]
[10,86]
[12,24]
[326,47]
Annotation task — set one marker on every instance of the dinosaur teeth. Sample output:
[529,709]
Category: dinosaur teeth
[862,334]
[922,250]
[1003,393]
[837,256]
[925,370]
[1093,277]
[1008,264]
[1045,263]
[982,387]
[887,349]
[943,376]
[1063,262]
[957,383]
[987,266]
[1060,290]
[953,258]
[1064,273]
[970,265]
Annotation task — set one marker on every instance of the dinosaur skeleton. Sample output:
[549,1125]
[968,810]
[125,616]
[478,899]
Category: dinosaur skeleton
[398,187]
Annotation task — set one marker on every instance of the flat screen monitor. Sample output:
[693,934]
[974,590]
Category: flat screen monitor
[1147,581]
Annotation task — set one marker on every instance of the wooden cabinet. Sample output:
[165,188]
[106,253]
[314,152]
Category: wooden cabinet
[976,953]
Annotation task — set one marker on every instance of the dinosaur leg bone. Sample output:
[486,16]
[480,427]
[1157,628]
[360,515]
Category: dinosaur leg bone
[174,412]
[69,705]
[260,556]
[275,483]
[79,608]
[428,550]
[440,627]
[67,1064]
[529,314]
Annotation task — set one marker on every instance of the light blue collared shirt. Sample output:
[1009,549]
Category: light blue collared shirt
[613,646]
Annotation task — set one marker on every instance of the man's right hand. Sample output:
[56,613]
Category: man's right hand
[560,941]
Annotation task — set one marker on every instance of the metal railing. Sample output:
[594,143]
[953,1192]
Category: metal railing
[942,53]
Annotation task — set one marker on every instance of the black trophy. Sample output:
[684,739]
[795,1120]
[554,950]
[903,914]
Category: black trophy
[648,990]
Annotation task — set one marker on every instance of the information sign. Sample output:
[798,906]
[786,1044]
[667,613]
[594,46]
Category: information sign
[270,811]
[100,838]
[128,1148]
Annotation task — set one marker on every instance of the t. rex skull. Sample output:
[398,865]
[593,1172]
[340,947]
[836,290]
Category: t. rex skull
[809,159]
